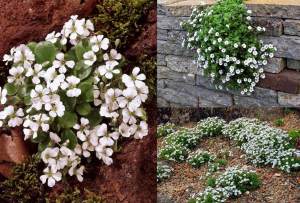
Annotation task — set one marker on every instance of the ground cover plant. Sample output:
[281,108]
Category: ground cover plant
[228,49]
[210,162]
[164,171]
[71,98]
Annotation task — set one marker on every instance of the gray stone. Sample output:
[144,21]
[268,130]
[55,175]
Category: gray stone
[292,27]
[169,22]
[260,98]
[288,100]
[191,93]
[287,46]
[273,26]
[293,64]
[184,10]
[163,198]
[275,65]
[176,36]
[165,47]
[161,60]
[181,64]
[162,34]
[166,73]
[276,11]
[205,82]
[162,103]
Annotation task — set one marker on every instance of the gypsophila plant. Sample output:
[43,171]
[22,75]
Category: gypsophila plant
[71,98]
[200,157]
[263,144]
[227,45]
[164,171]
[165,129]
[232,183]
[211,126]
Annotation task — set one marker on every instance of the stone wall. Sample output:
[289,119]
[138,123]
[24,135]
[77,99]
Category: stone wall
[181,85]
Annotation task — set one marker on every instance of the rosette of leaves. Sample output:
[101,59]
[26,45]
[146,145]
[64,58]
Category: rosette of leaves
[227,45]
[164,171]
[71,98]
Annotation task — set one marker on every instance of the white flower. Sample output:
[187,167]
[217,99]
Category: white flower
[39,96]
[103,153]
[112,56]
[52,175]
[78,172]
[49,155]
[108,70]
[82,129]
[129,117]
[125,130]
[35,72]
[54,137]
[135,79]
[89,58]
[55,108]
[142,130]
[106,111]
[16,75]
[71,85]
[61,63]
[53,37]
[111,98]
[99,42]
[16,118]
[23,54]
[3,93]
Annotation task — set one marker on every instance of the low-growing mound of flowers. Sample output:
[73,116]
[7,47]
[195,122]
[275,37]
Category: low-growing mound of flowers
[70,96]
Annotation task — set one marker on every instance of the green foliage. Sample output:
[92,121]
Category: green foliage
[120,19]
[210,126]
[295,136]
[199,158]
[74,195]
[279,122]
[164,171]
[24,186]
[164,130]
[211,181]
[171,152]
[228,47]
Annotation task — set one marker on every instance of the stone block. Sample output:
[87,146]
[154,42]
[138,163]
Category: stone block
[275,65]
[260,98]
[275,11]
[289,100]
[176,36]
[292,27]
[287,81]
[162,34]
[161,60]
[169,22]
[166,73]
[287,46]
[273,26]
[293,64]
[181,64]
[165,47]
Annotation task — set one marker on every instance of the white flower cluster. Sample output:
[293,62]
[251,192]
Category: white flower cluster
[164,171]
[230,54]
[200,157]
[263,144]
[211,126]
[87,80]
[232,183]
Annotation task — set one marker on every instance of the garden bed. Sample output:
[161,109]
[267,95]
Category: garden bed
[185,180]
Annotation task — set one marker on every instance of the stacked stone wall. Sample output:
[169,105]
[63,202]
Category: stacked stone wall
[181,85]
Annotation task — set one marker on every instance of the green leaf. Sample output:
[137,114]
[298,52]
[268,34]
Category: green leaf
[11,89]
[81,48]
[71,55]
[68,120]
[32,46]
[81,70]
[84,109]
[45,51]
[71,137]
[69,102]
[86,92]
[27,100]
[94,117]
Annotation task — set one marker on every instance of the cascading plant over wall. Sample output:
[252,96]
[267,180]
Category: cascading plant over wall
[227,46]
[70,97]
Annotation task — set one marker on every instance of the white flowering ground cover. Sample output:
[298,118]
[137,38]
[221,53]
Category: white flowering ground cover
[226,45]
[70,96]
[187,181]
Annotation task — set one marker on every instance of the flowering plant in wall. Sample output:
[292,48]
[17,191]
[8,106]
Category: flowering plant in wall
[227,46]
[70,97]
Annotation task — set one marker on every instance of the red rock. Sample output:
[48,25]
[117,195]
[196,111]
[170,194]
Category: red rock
[32,20]
[146,42]
[6,169]
[13,147]
[286,81]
